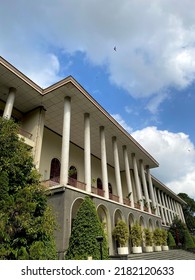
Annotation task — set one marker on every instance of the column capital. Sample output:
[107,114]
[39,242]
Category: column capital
[12,89]
[68,98]
[86,115]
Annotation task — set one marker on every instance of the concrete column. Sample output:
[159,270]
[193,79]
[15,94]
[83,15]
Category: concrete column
[151,189]
[87,152]
[159,199]
[157,211]
[128,176]
[9,104]
[168,208]
[145,185]
[65,142]
[163,203]
[182,215]
[137,181]
[39,137]
[104,162]
[117,169]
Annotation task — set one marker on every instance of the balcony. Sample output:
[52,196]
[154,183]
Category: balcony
[77,184]
[113,197]
[126,201]
[27,136]
[97,191]
[51,182]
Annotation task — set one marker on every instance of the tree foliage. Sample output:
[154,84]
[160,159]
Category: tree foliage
[181,234]
[121,233]
[26,221]
[189,211]
[86,227]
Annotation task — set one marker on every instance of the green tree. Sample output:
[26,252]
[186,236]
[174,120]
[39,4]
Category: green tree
[188,240]
[26,222]
[177,229]
[170,240]
[86,227]
[189,211]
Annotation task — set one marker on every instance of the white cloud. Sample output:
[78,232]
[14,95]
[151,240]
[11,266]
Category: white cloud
[154,40]
[175,154]
[122,122]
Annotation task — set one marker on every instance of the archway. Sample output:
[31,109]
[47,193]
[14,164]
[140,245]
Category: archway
[55,170]
[75,206]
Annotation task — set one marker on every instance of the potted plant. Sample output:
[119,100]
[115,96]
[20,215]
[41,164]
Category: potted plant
[164,240]
[148,240]
[145,205]
[157,239]
[121,235]
[136,238]
[153,209]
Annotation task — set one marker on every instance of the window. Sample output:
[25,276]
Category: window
[110,188]
[99,184]
[73,172]
[55,170]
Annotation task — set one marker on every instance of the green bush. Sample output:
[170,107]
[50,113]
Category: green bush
[164,236]
[188,241]
[120,233]
[157,237]
[136,235]
[86,227]
[170,240]
[147,237]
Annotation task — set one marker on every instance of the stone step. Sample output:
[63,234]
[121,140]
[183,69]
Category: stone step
[176,254]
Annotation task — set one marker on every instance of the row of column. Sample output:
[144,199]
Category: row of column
[169,207]
[87,162]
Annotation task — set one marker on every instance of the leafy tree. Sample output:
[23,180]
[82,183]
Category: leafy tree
[189,211]
[188,240]
[86,227]
[170,240]
[177,229]
[26,221]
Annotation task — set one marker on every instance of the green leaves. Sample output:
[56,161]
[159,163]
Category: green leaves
[86,227]
[25,218]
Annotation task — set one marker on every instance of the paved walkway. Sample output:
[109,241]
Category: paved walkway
[164,255]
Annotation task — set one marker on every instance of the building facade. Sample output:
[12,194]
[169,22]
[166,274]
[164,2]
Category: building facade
[79,150]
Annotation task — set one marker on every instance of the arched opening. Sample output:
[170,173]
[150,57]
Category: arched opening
[55,170]
[110,188]
[99,184]
[75,206]
[72,176]
[73,172]
[117,218]
[102,213]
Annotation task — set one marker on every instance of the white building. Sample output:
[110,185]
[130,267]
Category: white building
[80,150]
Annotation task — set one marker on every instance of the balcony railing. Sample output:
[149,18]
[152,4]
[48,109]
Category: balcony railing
[51,182]
[97,191]
[77,184]
[137,205]
[126,201]
[25,133]
[114,197]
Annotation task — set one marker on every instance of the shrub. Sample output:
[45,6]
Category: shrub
[188,241]
[170,240]
[86,227]
[157,237]
[164,236]
[136,235]
[148,237]
[120,233]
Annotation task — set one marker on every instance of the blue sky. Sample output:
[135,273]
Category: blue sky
[136,58]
